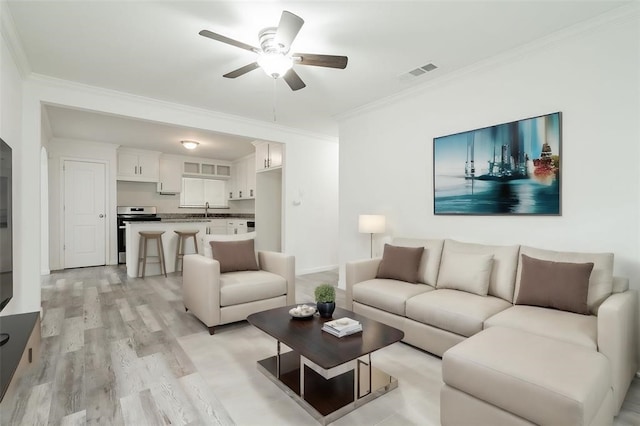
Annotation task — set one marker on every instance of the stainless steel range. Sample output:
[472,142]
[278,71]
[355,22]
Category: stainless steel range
[132,214]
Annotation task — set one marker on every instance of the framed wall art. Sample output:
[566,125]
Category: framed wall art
[506,169]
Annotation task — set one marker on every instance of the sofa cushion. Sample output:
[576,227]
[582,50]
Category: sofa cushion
[561,325]
[249,286]
[505,263]
[542,380]
[388,295]
[468,272]
[558,285]
[456,311]
[400,263]
[235,255]
[430,262]
[600,282]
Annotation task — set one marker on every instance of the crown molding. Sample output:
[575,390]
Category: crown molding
[256,125]
[11,38]
[613,17]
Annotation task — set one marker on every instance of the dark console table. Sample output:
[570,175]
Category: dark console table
[22,349]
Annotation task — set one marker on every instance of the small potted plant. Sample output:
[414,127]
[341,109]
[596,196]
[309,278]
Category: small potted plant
[325,299]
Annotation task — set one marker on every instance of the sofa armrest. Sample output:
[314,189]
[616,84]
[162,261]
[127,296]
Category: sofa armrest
[283,265]
[201,288]
[617,340]
[620,284]
[358,271]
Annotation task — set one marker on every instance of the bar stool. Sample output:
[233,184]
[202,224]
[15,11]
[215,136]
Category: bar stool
[145,237]
[183,236]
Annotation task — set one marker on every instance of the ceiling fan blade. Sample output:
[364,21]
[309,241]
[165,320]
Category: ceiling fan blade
[288,29]
[329,61]
[227,40]
[293,80]
[242,71]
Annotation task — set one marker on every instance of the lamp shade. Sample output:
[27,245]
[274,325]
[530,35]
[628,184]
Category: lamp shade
[371,223]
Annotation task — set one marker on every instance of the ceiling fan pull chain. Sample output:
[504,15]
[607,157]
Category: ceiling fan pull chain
[274,101]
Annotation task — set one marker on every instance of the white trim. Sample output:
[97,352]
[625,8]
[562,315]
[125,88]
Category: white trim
[316,269]
[10,36]
[613,17]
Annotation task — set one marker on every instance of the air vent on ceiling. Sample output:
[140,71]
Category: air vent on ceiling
[417,72]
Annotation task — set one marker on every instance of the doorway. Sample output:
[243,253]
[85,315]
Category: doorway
[84,218]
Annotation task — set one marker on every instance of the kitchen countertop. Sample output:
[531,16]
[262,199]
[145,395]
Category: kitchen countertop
[185,220]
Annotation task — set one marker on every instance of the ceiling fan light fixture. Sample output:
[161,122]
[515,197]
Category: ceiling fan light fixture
[190,144]
[275,65]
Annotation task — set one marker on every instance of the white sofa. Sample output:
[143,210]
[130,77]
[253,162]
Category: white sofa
[436,319]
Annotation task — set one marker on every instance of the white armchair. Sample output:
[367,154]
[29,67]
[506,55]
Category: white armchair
[220,298]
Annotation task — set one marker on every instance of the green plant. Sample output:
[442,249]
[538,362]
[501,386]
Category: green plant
[325,293]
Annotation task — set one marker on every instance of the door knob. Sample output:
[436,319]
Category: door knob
[101,215]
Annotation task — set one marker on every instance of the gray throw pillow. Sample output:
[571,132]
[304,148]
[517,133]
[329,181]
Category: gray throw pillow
[400,263]
[235,255]
[558,285]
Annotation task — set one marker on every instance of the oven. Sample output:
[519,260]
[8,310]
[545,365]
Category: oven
[251,226]
[131,214]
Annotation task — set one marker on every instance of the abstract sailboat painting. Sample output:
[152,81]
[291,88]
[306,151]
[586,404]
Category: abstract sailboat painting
[506,169]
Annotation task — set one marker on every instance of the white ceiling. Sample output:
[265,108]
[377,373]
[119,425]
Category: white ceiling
[88,126]
[152,49]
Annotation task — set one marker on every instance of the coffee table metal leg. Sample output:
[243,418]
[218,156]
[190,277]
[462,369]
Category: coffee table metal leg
[278,361]
[302,380]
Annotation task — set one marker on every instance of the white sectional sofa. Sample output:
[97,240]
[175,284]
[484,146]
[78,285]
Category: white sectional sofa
[455,298]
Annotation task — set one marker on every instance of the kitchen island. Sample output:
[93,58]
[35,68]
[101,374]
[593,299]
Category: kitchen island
[169,241]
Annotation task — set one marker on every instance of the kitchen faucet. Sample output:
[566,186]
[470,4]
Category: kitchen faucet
[206,209]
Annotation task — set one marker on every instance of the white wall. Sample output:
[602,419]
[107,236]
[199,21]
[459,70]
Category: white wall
[311,205]
[591,76]
[26,215]
[59,151]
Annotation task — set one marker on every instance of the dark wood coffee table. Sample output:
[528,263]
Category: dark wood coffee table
[328,376]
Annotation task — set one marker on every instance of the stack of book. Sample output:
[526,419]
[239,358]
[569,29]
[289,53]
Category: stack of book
[342,327]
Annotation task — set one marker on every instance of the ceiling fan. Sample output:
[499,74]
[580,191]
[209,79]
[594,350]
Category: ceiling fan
[273,55]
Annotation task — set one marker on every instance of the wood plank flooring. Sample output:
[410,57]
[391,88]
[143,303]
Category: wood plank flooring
[122,351]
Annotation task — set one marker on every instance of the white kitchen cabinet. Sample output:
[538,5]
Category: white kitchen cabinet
[243,179]
[218,227]
[251,176]
[170,175]
[196,192]
[138,165]
[269,155]
[236,226]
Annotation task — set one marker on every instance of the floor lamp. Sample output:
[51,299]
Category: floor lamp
[371,224]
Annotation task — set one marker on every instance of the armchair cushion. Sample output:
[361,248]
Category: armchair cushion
[249,286]
[235,255]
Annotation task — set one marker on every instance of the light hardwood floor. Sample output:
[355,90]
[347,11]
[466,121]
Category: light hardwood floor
[122,351]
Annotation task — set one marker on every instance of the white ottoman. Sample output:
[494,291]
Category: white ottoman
[504,376]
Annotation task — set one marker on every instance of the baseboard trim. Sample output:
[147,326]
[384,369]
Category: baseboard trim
[315,270]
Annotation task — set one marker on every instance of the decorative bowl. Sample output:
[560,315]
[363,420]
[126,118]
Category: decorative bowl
[302,311]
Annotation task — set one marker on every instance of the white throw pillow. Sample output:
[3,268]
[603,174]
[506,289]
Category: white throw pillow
[224,237]
[468,272]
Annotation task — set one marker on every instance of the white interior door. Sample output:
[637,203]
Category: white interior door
[84,214]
